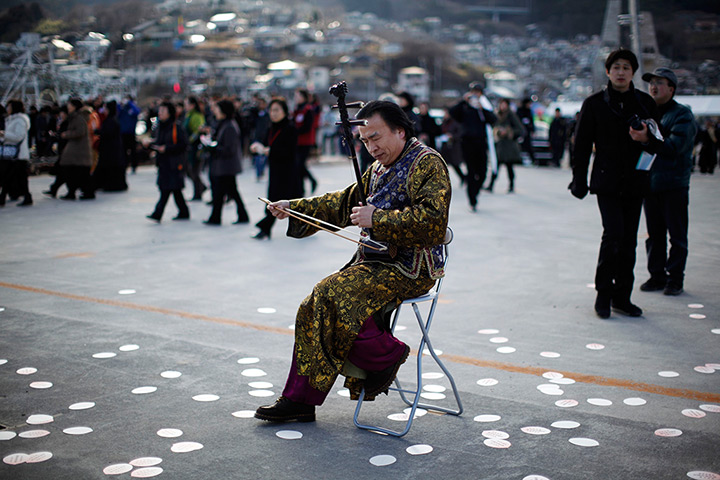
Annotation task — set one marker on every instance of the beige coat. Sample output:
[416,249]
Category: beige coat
[77,151]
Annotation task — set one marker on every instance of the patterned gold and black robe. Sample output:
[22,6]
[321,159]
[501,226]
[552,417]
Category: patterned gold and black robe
[413,200]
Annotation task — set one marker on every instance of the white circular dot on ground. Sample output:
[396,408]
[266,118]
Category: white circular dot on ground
[170,374]
[668,374]
[244,414]
[567,403]
[248,360]
[552,375]
[692,413]
[535,477]
[702,475]
[129,348]
[39,457]
[563,381]
[26,371]
[261,393]
[260,385]
[550,354]
[668,432]
[81,405]
[34,434]
[487,418]
[432,375]
[253,372]
[344,392]
[398,417]
[497,443]
[594,346]
[291,327]
[77,430]
[437,352]
[421,449]
[535,430]
[433,395]
[634,401]
[143,390]
[565,424]
[704,369]
[590,285]
[3,361]
[495,434]
[487,382]
[710,408]
[506,350]
[715,366]
[185,447]
[16,458]
[697,316]
[127,291]
[206,397]
[434,388]
[7,435]
[169,433]
[488,331]
[419,412]
[2,309]
[39,419]
[104,355]
[289,434]
[382,460]
[695,305]
[146,472]
[41,385]
[266,310]
[599,402]
[716,331]
[400,328]
[117,469]
[499,340]
[584,442]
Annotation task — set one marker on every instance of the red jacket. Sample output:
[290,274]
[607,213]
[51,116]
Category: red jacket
[304,118]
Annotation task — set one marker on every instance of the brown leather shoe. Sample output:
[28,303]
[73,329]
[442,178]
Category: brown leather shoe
[379,382]
[285,410]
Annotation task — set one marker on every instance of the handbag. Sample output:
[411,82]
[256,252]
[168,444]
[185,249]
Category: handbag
[9,152]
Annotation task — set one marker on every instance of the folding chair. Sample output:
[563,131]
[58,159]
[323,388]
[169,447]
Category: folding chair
[424,324]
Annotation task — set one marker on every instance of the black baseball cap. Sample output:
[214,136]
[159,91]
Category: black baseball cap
[662,72]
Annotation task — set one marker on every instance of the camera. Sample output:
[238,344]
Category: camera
[635,122]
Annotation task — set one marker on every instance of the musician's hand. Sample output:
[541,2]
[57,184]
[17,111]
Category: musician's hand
[362,216]
[278,209]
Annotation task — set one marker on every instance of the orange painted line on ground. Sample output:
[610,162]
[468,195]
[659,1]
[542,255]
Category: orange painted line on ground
[508,367]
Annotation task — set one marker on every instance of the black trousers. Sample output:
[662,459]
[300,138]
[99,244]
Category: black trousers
[474,150]
[620,220]
[303,152]
[179,201]
[78,177]
[222,186]
[14,178]
[130,147]
[666,213]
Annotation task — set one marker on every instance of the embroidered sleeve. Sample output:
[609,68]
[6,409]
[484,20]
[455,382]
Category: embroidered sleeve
[423,224]
[332,207]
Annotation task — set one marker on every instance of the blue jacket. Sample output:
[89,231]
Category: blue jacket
[672,166]
[127,117]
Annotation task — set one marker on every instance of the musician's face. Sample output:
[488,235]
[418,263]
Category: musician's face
[383,143]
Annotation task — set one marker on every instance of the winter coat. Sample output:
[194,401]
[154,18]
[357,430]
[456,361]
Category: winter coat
[77,150]
[604,124]
[127,117]
[170,163]
[285,180]
[225,158]
[672,166]
[506,146]
[469,118]
[17,127]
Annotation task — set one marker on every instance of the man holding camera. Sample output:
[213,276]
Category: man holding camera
[666,206]
[617,179]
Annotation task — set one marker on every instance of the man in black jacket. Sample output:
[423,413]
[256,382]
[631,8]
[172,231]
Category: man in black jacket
[605,121]
[666,206]
[474,142]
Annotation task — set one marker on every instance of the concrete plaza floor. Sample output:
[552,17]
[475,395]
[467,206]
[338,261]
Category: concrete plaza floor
[82,278]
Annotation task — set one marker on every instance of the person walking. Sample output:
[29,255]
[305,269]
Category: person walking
[77,158]
[666,205]
[525,114]
[558,137]
[304,119]
[192,123]
[285,180]
[708,156]
[127,118]
[15,167]
[169,144]
[109,175]
[507,130]
[606,118]
[225,164]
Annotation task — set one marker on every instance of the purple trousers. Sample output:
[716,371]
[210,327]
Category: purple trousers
[374,349]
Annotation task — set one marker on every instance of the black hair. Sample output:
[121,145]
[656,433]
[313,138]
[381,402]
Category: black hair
[227,108]
[305,94]
[192,100]
[171,110]
[77,103]
[624,54]
[17,106]
[282,103]
[111,108]
[391,113]
[408,98]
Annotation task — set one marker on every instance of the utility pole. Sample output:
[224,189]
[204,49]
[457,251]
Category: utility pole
[635,34]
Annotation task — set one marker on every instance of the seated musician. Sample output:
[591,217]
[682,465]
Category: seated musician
[341,326]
